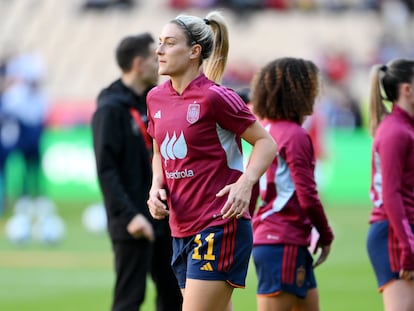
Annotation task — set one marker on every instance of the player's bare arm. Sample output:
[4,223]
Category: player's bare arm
[263,153]
[158,194]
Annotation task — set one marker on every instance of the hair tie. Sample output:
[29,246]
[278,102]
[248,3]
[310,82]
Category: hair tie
[206,21]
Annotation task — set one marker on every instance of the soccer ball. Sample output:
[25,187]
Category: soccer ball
[48,226]
[94,218]
[18,226]
[49,229]
[18,229]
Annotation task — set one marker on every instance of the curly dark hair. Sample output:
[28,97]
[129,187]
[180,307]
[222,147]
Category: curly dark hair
[285,89]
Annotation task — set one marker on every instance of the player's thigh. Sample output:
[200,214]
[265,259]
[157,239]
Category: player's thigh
[310,303]
[281,302]
[202,295]
[398,296]
[383,254]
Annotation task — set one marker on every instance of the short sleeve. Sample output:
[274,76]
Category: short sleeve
[230,110]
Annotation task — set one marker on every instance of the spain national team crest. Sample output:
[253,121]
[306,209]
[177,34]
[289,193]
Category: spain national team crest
[300,276]
[193,113]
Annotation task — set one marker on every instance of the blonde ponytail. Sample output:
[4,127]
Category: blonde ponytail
[215,64]
[377,109]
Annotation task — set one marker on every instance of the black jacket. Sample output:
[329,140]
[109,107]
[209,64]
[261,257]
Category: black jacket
[122,159]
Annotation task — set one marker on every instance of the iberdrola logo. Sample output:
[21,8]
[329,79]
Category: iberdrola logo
[174,147]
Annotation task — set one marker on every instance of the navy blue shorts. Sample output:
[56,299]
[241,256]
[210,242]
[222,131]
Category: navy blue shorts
[283,268]
[216,253]
[384,254]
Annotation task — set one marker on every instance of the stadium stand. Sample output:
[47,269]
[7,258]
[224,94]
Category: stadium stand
[77,44]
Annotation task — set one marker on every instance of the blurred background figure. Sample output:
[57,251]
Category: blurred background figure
[24,108]
[8,133]
[26,104]
[123,151]
[338,103]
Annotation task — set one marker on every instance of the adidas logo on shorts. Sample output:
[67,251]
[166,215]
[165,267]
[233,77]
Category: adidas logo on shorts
[207,267]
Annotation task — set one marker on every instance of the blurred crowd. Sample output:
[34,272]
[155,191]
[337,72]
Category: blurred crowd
[341,105]
[248,5]
[302,5]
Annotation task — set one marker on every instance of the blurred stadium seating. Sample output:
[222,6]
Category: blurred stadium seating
[78,45]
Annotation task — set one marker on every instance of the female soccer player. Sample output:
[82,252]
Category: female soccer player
[390,240]
[198,177]
[284,93]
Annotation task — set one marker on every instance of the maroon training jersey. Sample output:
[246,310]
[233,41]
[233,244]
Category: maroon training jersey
[392,179]
[290,203]
[198,133]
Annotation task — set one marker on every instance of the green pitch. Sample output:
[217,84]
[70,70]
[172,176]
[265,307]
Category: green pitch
[77,274]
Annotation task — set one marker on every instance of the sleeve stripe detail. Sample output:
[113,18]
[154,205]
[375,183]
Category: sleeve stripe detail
[234,102]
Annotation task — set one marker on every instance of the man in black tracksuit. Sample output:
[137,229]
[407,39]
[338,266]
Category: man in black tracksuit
[122,151]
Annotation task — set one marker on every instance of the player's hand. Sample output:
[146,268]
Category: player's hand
[238,200]
[407,275]
[139,227]
[156,204]
[325,250]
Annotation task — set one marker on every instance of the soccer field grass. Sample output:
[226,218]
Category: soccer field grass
[77,274]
